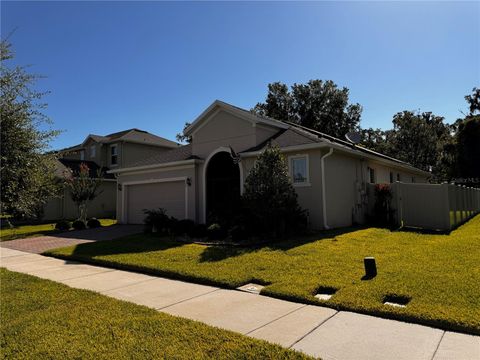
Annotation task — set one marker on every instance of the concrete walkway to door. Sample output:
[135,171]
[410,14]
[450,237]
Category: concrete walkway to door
[315,330]
[39,244]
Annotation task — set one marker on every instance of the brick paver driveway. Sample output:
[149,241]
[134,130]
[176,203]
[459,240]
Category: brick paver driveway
[40,244]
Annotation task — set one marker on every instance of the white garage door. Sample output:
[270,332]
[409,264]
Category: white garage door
[167,195]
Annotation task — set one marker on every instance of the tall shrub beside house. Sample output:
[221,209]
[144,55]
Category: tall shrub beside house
[383,212]
[83,189]
[269,198]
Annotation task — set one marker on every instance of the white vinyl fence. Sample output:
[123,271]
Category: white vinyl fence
[434,206]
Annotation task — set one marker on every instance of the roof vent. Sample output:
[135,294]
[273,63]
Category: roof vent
[353,137]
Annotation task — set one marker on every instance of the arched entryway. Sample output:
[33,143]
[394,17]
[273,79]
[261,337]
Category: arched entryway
[222,187]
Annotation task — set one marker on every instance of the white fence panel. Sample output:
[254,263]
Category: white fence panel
[434,206]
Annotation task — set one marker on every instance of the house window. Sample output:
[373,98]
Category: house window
[113,155]
[92,151]
[371,175]
[82,154]
[391,177]
[398,177]
[299,170]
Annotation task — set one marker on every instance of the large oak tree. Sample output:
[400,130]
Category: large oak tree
[319,105]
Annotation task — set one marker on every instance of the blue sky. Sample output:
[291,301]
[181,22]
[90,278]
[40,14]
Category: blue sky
[154,65]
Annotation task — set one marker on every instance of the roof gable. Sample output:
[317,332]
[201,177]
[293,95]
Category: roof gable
[132,135]
[205,116]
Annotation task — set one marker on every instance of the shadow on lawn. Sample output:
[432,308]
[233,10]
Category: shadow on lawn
[219,253]
[102,233]
[133,244]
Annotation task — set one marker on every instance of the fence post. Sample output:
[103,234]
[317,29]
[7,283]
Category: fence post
[470,197]
[469,202]
[446,207]
[453,201]
[399,203]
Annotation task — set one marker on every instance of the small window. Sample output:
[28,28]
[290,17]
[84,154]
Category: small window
[113,155]
[371,175]
[82,155]
[391,177]
[398,177]
[299,170]
[92,151]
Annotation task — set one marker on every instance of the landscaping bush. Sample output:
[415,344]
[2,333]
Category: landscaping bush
[383,213]
[5,224]
[79,225]
[199,231]
[239,232]
[216,232]
[93,223]
[182,227]
[63,225]
[157,221]
[270,199]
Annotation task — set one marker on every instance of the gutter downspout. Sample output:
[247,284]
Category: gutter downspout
[324,193]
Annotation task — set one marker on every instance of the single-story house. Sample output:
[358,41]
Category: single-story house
[330,175]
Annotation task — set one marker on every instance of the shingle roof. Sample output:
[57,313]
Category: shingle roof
[181,153]
[299,135]
[74,166]
[132,135]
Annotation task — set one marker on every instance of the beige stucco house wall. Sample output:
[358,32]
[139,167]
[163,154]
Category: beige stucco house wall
[334,193]
[96,151]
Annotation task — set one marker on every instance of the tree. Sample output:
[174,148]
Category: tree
[461,153]
[83,189]
[319,105]
[375,139]
[269,196]
[474,101]
[27,177]
[181,137]
[468,147]
[418,138]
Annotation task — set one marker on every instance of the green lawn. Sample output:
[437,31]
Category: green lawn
[46,320]
[37,230]
[439,273]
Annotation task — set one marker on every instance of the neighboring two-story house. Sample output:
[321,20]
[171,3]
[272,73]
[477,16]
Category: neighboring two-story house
[101,154]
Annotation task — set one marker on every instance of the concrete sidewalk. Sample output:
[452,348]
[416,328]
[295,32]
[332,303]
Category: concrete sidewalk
[315,330]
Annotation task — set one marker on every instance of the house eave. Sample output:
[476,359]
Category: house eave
[155,166]
[343,149]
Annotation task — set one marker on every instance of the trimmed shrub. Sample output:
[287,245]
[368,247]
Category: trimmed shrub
[63,225]
[6,224]
[79,225]
[239,232]
[269,199]
[216,232]
[157,221]
[383,212]
[199,231]
[183,227]
[93,223]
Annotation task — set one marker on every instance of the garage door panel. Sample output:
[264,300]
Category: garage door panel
[167,195]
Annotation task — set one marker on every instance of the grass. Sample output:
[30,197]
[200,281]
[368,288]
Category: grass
[42,319]
[439,274]
[25,231]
